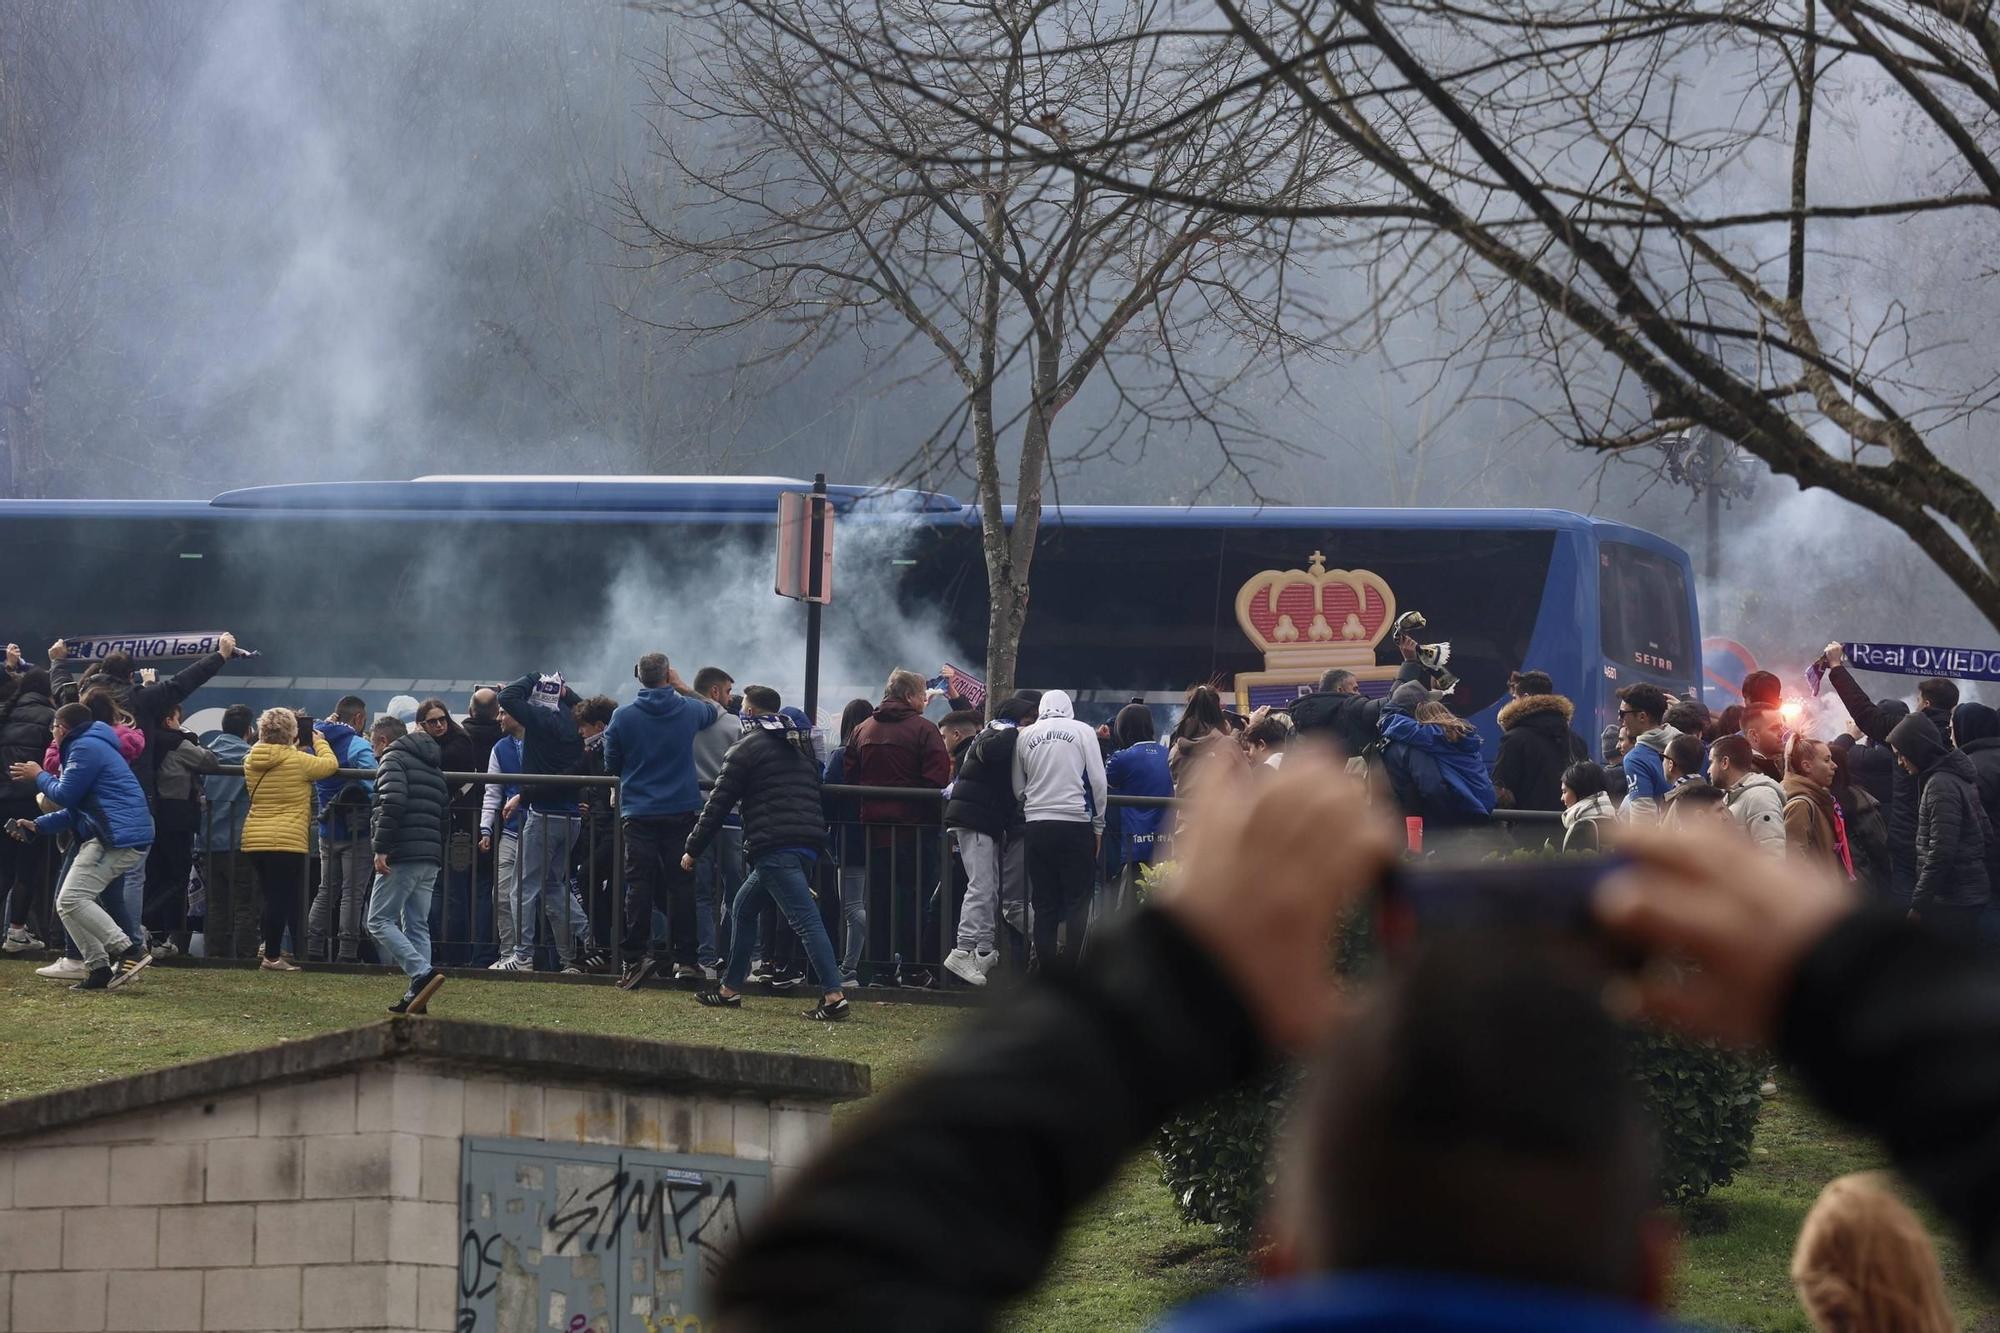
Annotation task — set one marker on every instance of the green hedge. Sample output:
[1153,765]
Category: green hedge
[1703,1101]
[1216,1159]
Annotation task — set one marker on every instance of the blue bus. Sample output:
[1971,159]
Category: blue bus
[440,584]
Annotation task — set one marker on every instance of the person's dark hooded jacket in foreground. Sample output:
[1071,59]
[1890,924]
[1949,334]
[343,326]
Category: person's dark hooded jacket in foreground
[1952,831]
[1876,721]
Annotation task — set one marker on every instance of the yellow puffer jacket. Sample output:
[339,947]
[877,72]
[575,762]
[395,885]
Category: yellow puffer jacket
[280,781]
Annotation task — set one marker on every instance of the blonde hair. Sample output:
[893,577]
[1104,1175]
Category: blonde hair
[1455,728]
[278,726]
[1864,1263]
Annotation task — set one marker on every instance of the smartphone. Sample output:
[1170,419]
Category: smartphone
[1551,895]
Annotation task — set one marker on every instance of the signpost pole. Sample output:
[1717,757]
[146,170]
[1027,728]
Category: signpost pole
[815,588]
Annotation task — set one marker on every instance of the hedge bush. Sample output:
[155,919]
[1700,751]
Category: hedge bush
[1703,1102]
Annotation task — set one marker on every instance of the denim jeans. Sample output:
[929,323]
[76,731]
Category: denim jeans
[96,868]
[546,843]
[853,917]
[719,872]
[780,877]
[346,870]
[399,915]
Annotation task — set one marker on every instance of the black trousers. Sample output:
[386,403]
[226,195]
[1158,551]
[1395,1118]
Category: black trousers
[230,929]
[168,864]
[654,878]
[281,878]
[902,894]
[1062,870]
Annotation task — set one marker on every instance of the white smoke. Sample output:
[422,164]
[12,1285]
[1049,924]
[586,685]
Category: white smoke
[716,607]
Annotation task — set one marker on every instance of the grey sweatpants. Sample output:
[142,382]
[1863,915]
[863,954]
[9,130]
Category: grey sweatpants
[95,869]
[996,880]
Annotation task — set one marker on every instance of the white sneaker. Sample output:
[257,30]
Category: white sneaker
[165,949]
[961,964]
[21,940]
[987,960]
[64,969]
[513,964]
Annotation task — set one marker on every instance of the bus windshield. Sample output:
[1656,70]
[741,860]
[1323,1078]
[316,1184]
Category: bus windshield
[1643,606]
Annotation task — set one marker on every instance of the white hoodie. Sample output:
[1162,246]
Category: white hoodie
[1058,767]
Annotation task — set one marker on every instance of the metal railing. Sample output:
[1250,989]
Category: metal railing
[890,891]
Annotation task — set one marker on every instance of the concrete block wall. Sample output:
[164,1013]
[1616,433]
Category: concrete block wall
[326,1205]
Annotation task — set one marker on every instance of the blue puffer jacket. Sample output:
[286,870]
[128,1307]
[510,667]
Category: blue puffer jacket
[650,745]
[1442,780]
[352,749]
[1368,1302]
[99,796]
[221,829]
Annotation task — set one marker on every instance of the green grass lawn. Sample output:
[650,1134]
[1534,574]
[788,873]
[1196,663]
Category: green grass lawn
[1126,1258]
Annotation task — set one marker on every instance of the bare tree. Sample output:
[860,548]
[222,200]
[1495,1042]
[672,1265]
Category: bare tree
[813,136]
[1774,220]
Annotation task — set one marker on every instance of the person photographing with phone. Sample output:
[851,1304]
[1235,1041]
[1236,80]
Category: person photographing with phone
[99,801]
[1468,1154]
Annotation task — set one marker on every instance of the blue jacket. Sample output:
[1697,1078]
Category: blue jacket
[1140,770]
[100,796]
[1368,1302]
[352,749]
[221,830]
[1444,781]
[507,757]
[650,746]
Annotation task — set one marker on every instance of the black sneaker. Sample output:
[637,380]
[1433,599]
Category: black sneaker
[128,966]
[715,999]
[416,1000]
[917,979]
[635,974]
[100,978]
[786,978]
[823,1012]
[594,960]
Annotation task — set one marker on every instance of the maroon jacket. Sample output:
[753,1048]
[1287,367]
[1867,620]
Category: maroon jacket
[898,747]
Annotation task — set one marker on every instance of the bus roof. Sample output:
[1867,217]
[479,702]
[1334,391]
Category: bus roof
[747,498]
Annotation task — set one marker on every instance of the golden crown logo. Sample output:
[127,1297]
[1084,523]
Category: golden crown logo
[1306,621]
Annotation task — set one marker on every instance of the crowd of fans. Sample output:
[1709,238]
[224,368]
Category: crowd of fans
[738,865]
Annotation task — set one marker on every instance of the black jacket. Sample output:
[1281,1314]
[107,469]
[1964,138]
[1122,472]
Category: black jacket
[773,773]
[550,743]
[1536,745]
[146,703]
[1867,839]
[484,733]
[27,721]
[982,796]
[1876,721]
[1952,831]
[412,805]
[1352,720]
[1042,1097]
[1976,728]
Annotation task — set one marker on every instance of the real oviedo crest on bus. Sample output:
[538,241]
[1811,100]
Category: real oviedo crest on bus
[1306,621]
